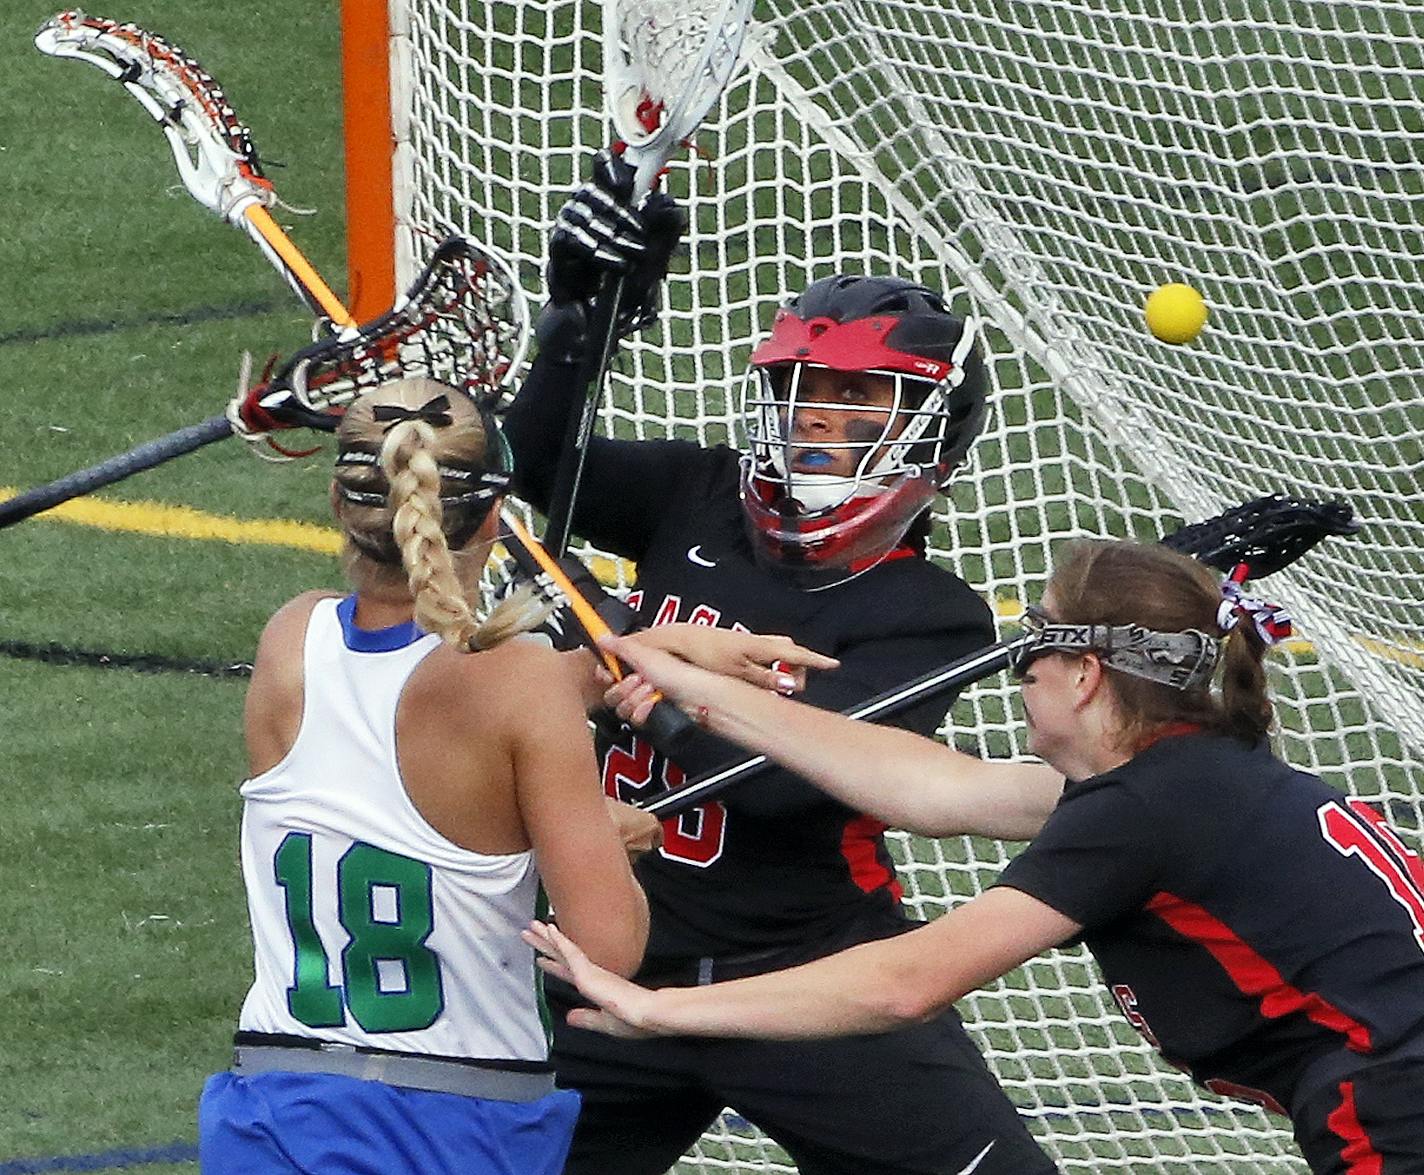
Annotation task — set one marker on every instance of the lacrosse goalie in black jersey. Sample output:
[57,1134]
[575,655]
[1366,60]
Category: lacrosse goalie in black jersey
[865,396]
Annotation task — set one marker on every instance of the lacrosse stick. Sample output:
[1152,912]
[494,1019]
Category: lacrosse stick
[220,168]
[464,322]
[1266,534]
[568,583]
[216,158]
[665,63]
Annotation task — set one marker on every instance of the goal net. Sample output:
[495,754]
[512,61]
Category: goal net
[1047,164]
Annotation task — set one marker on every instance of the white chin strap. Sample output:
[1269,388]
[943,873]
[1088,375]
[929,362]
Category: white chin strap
[815,492]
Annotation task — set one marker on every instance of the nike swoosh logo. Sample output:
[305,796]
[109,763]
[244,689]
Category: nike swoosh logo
[694,556]
[974,1164]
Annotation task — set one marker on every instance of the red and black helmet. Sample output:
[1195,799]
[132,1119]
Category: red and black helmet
[933,409]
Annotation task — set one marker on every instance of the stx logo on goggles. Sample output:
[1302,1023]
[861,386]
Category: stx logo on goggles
[1181,660]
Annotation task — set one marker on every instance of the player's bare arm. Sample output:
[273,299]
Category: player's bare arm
[581,853]
[874,987]
[770,661]
[897,776]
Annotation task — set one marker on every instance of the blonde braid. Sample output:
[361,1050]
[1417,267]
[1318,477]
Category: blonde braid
[414,478]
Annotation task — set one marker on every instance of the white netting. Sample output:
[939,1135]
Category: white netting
[1048,164]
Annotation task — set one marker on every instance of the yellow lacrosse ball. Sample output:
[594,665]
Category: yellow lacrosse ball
[1175,313]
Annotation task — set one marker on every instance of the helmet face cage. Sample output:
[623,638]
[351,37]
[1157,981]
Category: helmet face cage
[903,445]
[910,441]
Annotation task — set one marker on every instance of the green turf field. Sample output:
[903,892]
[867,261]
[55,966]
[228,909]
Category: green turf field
[124,309]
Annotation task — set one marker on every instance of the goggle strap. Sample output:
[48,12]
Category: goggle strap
[1182,660]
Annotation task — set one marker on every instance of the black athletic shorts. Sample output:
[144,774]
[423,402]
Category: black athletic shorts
[1371,1123]
[918,1101]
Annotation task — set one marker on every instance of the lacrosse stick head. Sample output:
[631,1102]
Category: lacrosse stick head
[212,147]
[665,63]
[1265,533]
[464,322]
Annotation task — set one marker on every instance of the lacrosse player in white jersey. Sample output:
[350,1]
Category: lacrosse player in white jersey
[415,777]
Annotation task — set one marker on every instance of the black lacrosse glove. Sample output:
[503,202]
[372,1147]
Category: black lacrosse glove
[600,232]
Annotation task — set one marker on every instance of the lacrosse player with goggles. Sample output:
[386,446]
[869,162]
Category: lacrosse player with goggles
[401,816]
[1263,930]
[866,395]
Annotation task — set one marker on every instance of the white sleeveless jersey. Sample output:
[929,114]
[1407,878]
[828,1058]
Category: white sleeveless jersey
[370,928]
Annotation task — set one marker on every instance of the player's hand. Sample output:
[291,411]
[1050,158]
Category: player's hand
[668,661]
[621,1005]
[600,231]
[633,699]
[769,662]
[640,831]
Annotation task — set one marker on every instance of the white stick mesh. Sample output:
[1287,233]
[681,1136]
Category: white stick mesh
[1048,164]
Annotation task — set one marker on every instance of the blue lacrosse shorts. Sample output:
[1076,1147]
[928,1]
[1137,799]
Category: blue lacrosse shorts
[325,1124]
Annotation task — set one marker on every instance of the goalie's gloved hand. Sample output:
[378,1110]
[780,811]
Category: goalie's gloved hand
[600,231]
[595,233]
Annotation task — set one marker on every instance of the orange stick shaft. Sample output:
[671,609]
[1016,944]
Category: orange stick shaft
[591,622]
[302,269]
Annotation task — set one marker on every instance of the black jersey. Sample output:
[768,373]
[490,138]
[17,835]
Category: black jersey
[1255,924]
[776,866]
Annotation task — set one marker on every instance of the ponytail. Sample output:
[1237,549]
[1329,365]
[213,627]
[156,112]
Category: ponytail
[1120,583]
[1246,710]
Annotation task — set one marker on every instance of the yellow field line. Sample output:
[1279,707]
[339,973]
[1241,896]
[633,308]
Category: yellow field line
[1413,656]
[155,518]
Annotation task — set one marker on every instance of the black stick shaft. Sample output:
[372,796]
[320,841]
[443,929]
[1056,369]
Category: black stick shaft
[84,481]
[591,374]
[937,683]
[1270,533]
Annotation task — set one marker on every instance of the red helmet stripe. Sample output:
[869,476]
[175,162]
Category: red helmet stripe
[858,345]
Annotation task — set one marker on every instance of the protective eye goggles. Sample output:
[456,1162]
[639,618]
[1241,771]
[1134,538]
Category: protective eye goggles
[1181,660]
[1035,642]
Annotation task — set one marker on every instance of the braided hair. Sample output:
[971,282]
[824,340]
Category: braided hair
[419,468]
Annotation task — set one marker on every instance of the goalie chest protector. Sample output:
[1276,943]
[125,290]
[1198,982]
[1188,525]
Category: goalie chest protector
[776,865]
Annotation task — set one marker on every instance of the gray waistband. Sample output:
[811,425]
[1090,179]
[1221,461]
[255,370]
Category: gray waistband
[410,1072]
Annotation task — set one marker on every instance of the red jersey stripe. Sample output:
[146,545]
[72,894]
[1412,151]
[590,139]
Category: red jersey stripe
[860,846]
[1253,975]
[1359,1153]
[902,552]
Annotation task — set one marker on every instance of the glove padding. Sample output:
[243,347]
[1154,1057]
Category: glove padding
[599,231]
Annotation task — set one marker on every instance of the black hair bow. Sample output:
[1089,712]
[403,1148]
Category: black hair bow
[434,412]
